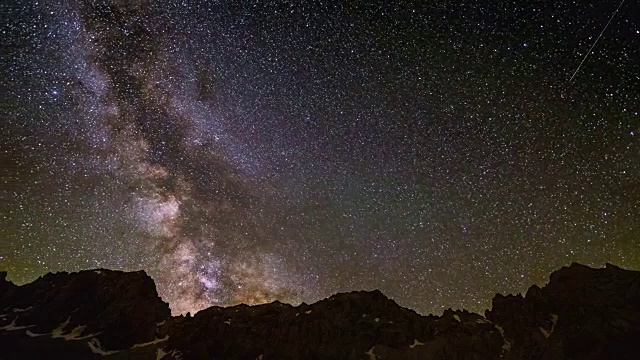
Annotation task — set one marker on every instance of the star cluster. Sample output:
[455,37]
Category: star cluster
[243,153]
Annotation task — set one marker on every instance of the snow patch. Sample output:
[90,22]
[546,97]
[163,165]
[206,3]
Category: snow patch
[96,348]
[22,310]
[376,319]
[76,332]
[554,319]
[156,341]
[416,343]
[13,327]
[160,354]
[483,321]
[455,316]
[507,345]
[308,312]
[228,322]
[176,354]
[259,357]
[30,334]
[57,332]
[98,272]
[372,355]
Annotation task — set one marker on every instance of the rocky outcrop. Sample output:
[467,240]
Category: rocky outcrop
[6,287]
[85,311]
[357,325]
[583,313]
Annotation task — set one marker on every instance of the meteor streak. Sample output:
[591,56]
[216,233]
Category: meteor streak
[595,42]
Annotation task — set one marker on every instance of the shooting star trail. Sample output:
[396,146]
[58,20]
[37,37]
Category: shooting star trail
[595,42]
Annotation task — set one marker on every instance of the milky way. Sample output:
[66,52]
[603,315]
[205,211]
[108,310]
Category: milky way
[252,152]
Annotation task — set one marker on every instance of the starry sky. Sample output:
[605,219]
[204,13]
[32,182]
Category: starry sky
[242,152]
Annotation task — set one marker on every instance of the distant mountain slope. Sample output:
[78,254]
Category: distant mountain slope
[583,313]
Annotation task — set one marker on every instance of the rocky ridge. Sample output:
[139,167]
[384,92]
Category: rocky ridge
[583,313]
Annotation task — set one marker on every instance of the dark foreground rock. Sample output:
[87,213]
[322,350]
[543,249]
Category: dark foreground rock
[583,313]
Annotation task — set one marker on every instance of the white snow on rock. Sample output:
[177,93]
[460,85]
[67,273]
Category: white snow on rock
[57,332]
[176,354]
[554,319]
[507,345]
[76,332]
[308,312]
[372,355]
[98,272]
[259,357]
[13,327]
[483,321]
[156,341]
[376,319]
[228,322]
[416,343]
[455,316]
[160,354]
[96,348]
[30,334]
[22,310]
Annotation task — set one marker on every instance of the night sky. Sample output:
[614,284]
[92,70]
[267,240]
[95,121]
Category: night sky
[249,152]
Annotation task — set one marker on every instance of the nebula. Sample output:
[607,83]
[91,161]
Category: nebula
[245,152]
[142,116]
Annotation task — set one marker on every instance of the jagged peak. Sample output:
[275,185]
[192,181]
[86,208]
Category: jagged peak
[350,325]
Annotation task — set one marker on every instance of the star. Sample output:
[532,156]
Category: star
[243,154]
